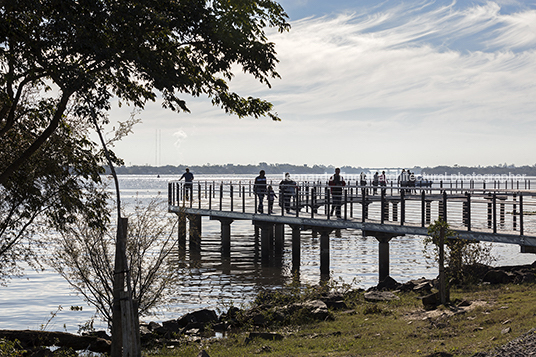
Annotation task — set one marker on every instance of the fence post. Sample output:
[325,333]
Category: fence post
[382,206]
[345,207]
[423,208]
[521,213]
[494,206]
[514,215]
[232,195]
[328,205]
[221,196]
[445,206]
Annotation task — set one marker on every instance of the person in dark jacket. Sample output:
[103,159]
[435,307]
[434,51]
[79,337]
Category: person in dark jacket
[260,189]
[287,189]
[188,183]
[336,182]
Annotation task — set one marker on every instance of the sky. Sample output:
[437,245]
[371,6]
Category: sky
[371,84]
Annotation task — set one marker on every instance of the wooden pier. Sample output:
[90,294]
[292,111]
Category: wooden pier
[478,214]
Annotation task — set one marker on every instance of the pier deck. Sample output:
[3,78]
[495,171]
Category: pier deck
[492,215]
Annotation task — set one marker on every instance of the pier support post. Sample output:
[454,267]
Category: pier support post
[182,232]
[383,257]
[279,238]
[296,248]
[324,253]
[395,211]
[383,251]
[195,232]
[266,238]
[225,235]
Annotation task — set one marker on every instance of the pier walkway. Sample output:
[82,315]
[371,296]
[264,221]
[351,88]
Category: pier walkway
[476,214]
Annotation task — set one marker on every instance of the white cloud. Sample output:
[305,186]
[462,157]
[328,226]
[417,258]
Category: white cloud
[409,76]
[179,136]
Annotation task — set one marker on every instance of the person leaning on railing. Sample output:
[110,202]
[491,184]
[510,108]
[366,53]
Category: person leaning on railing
[260,189]
[336,182]
[188,183]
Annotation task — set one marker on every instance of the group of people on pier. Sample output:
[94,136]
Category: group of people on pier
[288,188]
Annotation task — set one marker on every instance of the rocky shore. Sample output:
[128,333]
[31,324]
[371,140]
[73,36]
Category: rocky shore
[278,308]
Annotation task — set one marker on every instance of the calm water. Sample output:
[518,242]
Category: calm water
[28,303]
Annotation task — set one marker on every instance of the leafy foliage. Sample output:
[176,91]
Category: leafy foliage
[93,50]
[459,253]
[62,62]
[85,258]
[57,184]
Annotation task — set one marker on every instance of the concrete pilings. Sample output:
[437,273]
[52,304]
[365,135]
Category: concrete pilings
[272,241]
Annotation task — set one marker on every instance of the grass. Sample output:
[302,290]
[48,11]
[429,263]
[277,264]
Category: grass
[397,328]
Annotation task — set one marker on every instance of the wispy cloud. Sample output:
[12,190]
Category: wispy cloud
[410,58]
[385,85]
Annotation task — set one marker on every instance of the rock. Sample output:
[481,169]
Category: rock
[264,336]
[171,326]
[431,301]
[464,303]
[31,339]
[220,326]
[423,287]
[496,276]
[154,326]
[336,305]
[203,353]
[528,277]
[334,301]
[375,296]
[144,330]
[198,319]
[388,284]
[315,304]
[506,331]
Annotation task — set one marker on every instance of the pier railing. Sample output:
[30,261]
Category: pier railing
[484,209]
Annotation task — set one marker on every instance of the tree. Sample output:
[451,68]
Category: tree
[459,253]
[85,52]
[84,256]
[58,184]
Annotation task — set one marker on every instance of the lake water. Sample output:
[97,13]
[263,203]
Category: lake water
[29,302]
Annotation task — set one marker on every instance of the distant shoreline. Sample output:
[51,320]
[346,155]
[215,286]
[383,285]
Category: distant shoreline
[231,169]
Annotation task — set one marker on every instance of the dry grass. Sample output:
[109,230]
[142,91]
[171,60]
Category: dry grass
[495,315]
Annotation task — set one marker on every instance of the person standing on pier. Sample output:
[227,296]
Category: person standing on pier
[363,180]
[336,182]
[271,198]
[260,189]
[375,181]
[287,189]
[383,179]
[188,183]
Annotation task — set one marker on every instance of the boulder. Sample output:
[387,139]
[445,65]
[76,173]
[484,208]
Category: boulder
[388,284]
[171,326]
[198,319]
[431,301]
[375,296]
[424,287]
[498,276]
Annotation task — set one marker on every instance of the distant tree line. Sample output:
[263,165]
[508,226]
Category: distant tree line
[482,170]
[232,169]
